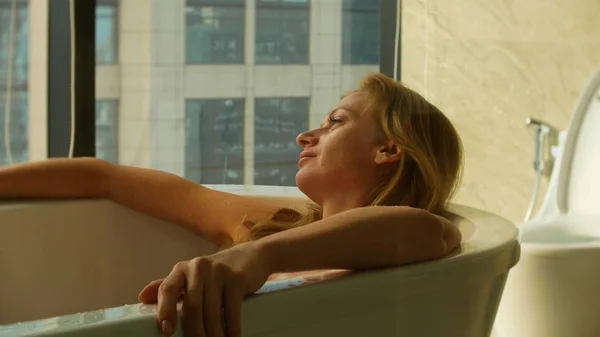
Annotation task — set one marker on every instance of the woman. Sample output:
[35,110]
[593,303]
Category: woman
[382,145]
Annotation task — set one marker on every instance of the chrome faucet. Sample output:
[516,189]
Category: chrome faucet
[545,137]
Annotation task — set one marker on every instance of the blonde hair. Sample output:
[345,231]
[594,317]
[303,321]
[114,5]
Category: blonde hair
[427,175]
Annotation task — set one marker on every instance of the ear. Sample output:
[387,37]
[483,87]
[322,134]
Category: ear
[388,153]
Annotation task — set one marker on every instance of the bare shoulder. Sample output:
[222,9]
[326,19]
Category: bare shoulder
[231,211]
[214,215]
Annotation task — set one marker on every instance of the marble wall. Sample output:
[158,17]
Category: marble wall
[489,64]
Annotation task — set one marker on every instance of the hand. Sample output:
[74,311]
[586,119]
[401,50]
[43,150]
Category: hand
[213,288]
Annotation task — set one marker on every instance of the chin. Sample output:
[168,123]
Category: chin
[309,185]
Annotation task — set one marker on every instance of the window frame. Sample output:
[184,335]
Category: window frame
[59,73]
[59,93]
[387,40]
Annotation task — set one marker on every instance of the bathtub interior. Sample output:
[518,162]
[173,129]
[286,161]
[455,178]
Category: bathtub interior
[68,257]
[76,256]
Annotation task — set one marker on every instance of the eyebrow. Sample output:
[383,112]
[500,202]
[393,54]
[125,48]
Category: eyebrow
[343,107]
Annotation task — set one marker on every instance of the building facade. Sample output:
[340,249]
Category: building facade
[212,90]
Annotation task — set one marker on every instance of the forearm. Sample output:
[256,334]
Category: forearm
[159,194]
[211,214]
[364,238]
[54,178]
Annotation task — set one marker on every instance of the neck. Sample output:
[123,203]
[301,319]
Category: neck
[342,203]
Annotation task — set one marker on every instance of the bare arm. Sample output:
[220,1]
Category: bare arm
[362,238]
[213,215]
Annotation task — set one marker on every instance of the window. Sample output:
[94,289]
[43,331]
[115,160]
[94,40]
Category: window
[277,122]
[106,32]
[107,130]
[360,31]
[214,145]
[14,83]
[282,31]
[214,32]
[234,123]
[14,141]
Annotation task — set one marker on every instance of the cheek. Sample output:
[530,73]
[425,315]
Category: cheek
[347,152]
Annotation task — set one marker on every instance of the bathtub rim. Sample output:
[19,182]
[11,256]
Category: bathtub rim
[497,233]
[492,251]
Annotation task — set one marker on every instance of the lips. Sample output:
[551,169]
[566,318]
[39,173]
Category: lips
[305,154]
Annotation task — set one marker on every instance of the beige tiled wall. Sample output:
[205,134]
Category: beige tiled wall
[491,63]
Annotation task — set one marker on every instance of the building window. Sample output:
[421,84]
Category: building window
[282,31]
[214,146]
[214,32]
[107,31]
[360,31]
[107,128]
[277,123]
[14,92]
[20,47]
[14,147]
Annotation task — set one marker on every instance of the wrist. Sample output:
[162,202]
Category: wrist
[267,253]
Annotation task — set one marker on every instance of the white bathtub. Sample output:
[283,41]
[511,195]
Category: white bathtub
[76,258]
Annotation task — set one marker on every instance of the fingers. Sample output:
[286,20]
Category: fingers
[149,294]
[209,288]
[167,296]
[233,298]
[213,294]
[193,319]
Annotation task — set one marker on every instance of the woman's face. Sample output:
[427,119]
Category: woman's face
[340,156]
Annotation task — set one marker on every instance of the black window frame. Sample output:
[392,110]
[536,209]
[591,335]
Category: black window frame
[59,73]
[387,42]
[59,119]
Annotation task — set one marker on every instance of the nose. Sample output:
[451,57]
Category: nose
[306,139]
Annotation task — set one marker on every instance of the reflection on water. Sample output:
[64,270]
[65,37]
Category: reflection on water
[74,320]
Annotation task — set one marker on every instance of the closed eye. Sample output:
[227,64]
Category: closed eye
[331,121]
[334,120]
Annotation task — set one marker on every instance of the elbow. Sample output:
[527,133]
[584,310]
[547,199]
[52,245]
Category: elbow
[451,236]
[444,236]
[431,237]
[100,176]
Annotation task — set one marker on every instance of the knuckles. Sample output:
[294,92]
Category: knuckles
[201,263]
[167,288]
